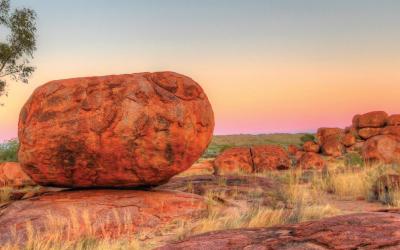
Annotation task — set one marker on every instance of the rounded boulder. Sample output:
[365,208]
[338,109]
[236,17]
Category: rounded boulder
[114,131]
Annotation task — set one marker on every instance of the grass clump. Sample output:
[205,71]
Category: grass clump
[9,151]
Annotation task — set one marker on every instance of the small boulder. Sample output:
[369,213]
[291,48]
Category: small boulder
[292,149]
[270,157]
[366,133]
[310,146]
[325,134]
[299,154]
[333,147]
[234,160]
[393,120]
[311,160]
[374,119]
[349,139]
[382,148]
[11,175]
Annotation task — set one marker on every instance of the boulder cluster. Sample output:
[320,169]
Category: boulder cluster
[119,131]
[374,135]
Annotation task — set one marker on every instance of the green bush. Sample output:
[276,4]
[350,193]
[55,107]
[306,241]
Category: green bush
[354,159]
[307,137]
[9,151]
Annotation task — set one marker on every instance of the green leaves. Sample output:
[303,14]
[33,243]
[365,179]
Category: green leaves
[19,46]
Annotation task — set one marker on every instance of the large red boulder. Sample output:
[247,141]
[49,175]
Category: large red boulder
[310,146]
[382,148]
[374,119]
[114,131]
[270,157]
[393,120]
[366,133]
[333,147]
[72,215]
[375,230]
[11,175]
[234,160]
[311,160]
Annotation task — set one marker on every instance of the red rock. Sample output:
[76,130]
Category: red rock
[299,154]
[349,139]
[382,148]
[354,231]
[12,175]
[200,168]
[270,157]
[374,119]
[355,120]
[98,213]
[310,146]
[292,149]
[311,160]
[333,147]
[234,160]
[357,147]
[324,134]
[366,133]
[393,120]
[114,131]
[391,130]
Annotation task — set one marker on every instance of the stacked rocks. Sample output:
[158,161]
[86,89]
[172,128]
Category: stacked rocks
[114,131]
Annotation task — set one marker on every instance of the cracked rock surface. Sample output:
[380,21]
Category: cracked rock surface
[114,131]
[97,213]
[356,231]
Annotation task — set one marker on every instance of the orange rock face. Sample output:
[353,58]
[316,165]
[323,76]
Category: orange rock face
[348,139]
[393,120]
[382,148]
[391,130]
[333,147]
[366,133]
[374,119]
[310,146]
[11,175]
[234,160]
[325,134]
[114,131]
[292,149]
[270,157]
[311,160]
[98,213]
[355,231]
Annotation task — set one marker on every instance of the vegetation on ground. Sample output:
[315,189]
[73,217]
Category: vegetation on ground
[9,151]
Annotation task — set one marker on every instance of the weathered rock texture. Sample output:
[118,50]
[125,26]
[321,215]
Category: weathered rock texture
[310,146]
[97,213]
[374,119]
[382,148]
[311,160]
[355,231]
[11,175]
[234,160]
[114,131]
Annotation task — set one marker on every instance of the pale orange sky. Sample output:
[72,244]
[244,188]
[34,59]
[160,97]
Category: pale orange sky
[266,66]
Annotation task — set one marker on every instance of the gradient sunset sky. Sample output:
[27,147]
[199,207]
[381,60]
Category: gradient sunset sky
[266,66]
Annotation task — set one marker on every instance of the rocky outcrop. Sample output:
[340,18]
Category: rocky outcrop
[311,160]
[270,157]
[11,175]
[349,140]
[97,213]
[114,131]
[292,149]
[234,160]
[393,120]
[366,133]
[354,231]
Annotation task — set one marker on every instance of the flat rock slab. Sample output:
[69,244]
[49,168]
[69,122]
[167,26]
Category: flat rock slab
[355,231]
[96,213]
